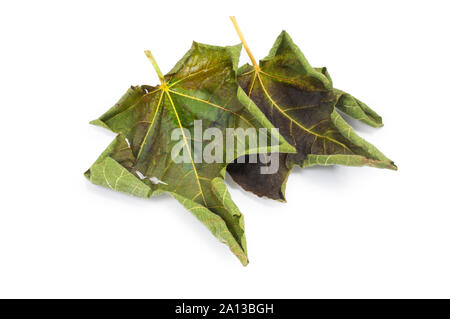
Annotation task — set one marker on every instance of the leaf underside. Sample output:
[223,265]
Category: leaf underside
[202,86]
[301,101]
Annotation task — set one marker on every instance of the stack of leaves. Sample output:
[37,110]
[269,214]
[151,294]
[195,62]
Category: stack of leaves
[283,91]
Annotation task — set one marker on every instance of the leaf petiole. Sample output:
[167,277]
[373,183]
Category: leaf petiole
[155,66]
[244,43]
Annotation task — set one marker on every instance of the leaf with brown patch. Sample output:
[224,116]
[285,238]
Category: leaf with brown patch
[301,101]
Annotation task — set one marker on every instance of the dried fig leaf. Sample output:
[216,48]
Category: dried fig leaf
[301,102]
[201,87]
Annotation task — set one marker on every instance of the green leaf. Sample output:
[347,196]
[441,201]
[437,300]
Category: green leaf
[352,106]
[113,169]
[202,86]
[301,102]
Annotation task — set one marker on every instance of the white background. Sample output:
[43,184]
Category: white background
[345,232]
